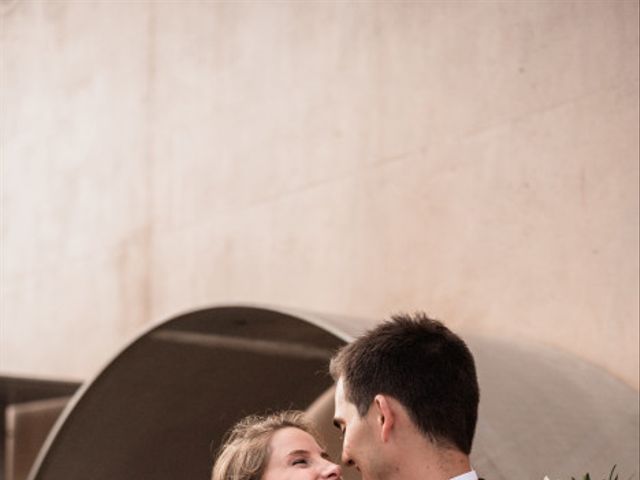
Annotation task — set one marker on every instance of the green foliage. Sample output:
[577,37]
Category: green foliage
[611,477]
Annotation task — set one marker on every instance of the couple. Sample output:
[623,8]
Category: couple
[406,402]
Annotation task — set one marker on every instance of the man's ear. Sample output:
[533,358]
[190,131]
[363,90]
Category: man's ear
[385,416]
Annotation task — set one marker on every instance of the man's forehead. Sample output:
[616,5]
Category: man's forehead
[340,384]
[341,404]
[338,405]
[340,390]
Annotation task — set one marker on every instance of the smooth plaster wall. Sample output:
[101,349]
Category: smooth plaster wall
[476,159]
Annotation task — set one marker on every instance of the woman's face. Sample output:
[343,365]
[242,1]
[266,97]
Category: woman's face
[295,455]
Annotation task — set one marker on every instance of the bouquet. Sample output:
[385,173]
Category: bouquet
[588,477]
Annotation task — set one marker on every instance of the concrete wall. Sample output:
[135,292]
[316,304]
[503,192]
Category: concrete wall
[478,160]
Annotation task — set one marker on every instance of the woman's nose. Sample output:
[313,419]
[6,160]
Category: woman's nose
[332,470]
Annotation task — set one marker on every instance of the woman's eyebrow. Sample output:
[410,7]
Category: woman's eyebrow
[306,453]
[299,452]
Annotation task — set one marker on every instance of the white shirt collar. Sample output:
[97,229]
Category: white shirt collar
[467,476]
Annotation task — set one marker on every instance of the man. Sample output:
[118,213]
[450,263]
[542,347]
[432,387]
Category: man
[407,401]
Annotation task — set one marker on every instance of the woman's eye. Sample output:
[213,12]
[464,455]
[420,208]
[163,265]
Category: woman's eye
[299,461]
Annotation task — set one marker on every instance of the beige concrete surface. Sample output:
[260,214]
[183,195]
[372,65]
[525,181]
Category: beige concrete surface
[478,160]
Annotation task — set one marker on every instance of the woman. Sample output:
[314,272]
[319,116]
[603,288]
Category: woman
[282,446]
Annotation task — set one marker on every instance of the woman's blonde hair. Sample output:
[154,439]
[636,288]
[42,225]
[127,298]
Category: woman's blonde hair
[245,451]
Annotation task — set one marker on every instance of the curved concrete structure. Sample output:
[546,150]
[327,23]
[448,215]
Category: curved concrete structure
[160,408]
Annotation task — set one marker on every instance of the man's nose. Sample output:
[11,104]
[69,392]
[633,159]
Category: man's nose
[346,459]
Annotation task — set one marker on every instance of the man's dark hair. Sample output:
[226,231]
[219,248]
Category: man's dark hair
[422,364]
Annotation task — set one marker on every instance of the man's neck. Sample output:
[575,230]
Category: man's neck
[430,463]
[411,455]
[446,464]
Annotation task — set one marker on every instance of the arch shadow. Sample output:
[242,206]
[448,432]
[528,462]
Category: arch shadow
[161,406]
